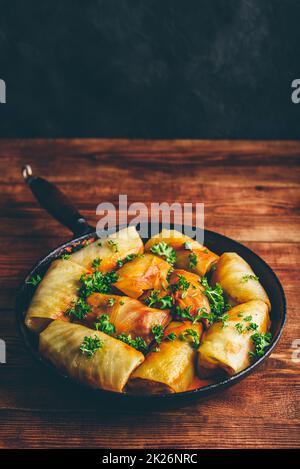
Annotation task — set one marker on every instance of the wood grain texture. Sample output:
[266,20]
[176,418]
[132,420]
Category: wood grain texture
[251,192]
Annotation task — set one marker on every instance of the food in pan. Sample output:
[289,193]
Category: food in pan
[141,274]
[228,346]
[171,366]
[110,251]
[127,315]
[89,356]
[54,294]
[116,318]
[238,281]
[182,251]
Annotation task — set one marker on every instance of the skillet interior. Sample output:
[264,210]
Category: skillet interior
[215,242]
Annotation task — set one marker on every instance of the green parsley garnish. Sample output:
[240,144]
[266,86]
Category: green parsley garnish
[79,310]
[96,262]
[172,336]
[215,298]
[162,303]
[128,258]
[205,250]
[122,302]
[164,250]
[247,277]
[34,281]
[193,259]
[97,282]
[247,318]
[111,301]
[158,332]
[252,326]
[90,345]
[224,318]
[113,245]
[66,257]
[261,341]
[103,324]
[182,284]
[239,327]
[193,335]
[138,343]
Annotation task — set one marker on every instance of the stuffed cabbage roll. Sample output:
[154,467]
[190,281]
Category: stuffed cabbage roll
[189,254]
[127,315]
[110,250]
[143,273]
[238,280]
[226,347]
[188,293]
[171,368]
[54,294]
[89,356]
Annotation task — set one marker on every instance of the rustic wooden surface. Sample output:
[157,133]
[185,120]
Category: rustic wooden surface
[251,193]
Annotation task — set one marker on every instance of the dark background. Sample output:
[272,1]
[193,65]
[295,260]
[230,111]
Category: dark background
[150,68]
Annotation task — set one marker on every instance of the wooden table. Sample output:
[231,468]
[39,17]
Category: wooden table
[251,193]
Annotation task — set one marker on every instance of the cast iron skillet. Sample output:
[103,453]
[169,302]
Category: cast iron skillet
[54,201]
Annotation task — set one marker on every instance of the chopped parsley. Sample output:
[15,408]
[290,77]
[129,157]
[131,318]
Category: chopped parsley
[96,262]
[111,301]
[112,244]
[138,343]
[79,310]
[34,281]
[261,341]
[152,299]
[239,327]
[158,332]
[182,284]
[224,318]
[164,250]
[66,257]
[205,250]
[90,345]
[252,326]
[128,258]
[162,303]
[247,277]
[215,298]
[172,336]
[96,282]
[103,324]
[193,259]
[122,302]
[192,335]
[247,318]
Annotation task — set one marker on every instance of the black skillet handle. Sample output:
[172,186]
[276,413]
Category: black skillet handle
[56,203]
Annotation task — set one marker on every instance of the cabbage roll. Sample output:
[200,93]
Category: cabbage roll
[54,294]
[188,293]
[172,368]
[127,315]
[108,368]
[143,273]
[190,255]
[226,348]
[238,280]
[110,250]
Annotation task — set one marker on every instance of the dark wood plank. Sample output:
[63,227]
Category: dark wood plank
[251,193]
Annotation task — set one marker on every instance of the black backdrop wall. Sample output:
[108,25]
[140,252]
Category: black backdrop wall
[150,68]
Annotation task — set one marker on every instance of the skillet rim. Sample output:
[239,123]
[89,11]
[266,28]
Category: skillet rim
[198,392]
